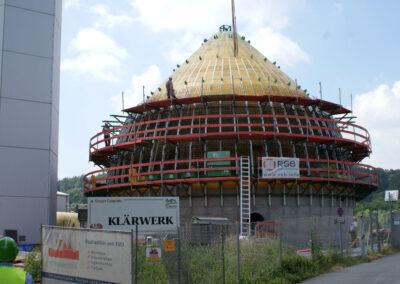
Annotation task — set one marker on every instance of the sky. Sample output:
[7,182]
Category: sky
[110,47]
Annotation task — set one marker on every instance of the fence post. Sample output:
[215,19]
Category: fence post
[371,239]
[132,265]
[362,237]
[340,241]
[378,232]
[280,245]
[136,254]
[238,250]
[223,253]
[179,256]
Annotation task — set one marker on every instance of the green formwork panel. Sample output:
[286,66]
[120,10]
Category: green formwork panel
[188,175]
[224,173]
[170,176]
[218,154]
[153,177]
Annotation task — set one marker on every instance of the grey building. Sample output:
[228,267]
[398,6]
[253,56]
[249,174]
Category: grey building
[30,37]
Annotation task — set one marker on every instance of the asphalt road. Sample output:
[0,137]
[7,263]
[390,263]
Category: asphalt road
[384,270]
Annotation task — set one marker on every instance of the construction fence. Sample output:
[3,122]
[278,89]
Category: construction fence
[209,253]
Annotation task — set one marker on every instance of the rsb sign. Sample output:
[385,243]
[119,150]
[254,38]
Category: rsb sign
[274,167]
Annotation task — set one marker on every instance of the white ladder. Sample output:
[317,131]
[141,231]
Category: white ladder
[245,196]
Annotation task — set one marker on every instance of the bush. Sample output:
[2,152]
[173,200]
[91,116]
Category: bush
[33,265]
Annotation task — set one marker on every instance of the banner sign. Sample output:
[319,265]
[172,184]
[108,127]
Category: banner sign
[85,256]
[273,167]
[151,214]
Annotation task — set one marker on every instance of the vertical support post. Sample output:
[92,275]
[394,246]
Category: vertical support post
[362,237]
[136,254]
[143,95]
[320,90]
[378,232]
[390,218]
[179,257]
[351,103]
[280,245]
[269,195]
[340,97]
[340,241]
[238,250]
[132,265]
[223,252]
[123,104]
[370,232]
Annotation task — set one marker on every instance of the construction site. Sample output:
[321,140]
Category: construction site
[233,106]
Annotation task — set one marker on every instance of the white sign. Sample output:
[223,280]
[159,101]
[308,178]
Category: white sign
[153,254]
[151,214]
[71,255]
[340,219]
[273,167]
[391,195]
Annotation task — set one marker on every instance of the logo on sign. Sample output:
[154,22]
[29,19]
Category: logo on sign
[96,226]
[64,251]
[270,164]
[170,203]
[274,167]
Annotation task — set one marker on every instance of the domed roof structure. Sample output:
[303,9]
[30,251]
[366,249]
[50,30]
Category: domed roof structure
[214,70]
[207,144]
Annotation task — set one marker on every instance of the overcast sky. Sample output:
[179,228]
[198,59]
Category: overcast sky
[109,47]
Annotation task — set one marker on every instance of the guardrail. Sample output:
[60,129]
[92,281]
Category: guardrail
[199,171]
[358,137]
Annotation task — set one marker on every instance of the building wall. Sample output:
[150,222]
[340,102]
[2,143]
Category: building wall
[62,202]
[30,37]
[297,215]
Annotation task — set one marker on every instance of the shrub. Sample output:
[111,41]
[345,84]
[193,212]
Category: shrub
[33,265]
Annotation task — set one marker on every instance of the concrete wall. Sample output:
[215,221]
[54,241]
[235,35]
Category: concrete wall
[30,38]
[297,214]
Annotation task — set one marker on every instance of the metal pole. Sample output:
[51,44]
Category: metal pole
[143,94]
[370,232]
[136,254]
[390,217]
[378,232]
[320,90]
[340,97]
[238,251]
[351,103]
[223,253]
[123,104]
[280,245]
[179,257]
[362,237]
[132,267]
[340,241]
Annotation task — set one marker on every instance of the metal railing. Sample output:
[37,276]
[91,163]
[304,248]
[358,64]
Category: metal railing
[126,176]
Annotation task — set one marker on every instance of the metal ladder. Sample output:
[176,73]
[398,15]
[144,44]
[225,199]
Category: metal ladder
[245,195]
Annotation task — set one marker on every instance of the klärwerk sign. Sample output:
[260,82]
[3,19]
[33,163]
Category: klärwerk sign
[273,167]
[151,214]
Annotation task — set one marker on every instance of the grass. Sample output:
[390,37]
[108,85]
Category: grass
[259,263]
